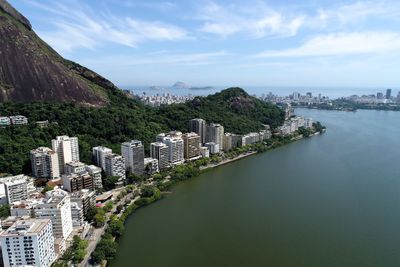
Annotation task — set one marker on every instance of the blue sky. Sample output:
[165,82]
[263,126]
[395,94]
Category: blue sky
[226,43]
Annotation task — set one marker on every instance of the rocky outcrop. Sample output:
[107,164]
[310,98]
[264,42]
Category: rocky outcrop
[30,70]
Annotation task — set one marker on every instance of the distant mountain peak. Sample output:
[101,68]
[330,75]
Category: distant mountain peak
[180,85]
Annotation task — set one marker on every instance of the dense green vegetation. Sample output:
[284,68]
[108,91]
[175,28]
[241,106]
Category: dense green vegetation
[75,253]
[4,211]
[124,119]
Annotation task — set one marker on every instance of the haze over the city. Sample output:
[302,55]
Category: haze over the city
[275,43]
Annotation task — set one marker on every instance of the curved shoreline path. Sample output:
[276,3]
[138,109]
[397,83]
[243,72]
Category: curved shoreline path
[330,200]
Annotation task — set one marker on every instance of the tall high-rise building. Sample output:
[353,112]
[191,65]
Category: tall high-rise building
[115,166]
[160,152]
[99,153]
[57,208]
[388,93]
[175,149]
[67,149]
[133,153]
[215,134]
[28,243]
[198,126]
[191,145]
[44,163]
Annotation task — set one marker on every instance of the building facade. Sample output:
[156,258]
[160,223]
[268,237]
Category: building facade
[45,163]
[198,126]
[133,153]
[95,172]
[159,151]
[99,155]
[215,134]
[115,166]
[67,149]
[28,243]
[57,208]
[75,182]
[191,146]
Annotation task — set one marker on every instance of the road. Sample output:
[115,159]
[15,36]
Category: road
[98,232]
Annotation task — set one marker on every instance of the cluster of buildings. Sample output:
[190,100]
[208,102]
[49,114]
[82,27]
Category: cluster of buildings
[13,120]
[295,98]
[378,98]
[40,224]
[164,99]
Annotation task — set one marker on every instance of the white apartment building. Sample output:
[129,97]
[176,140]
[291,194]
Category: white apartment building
[212,147]
[67,149]
[133,153]
[57,208]
[175,149]
[74,167]
[44,163]
[99,153]
[95,172]
[205,153]
[28,243]
[18,120]
[115,166]
[198,126]
[15,188]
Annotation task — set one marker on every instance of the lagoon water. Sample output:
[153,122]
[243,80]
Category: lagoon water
[330,200]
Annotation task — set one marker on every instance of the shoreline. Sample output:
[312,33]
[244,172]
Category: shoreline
[210,167]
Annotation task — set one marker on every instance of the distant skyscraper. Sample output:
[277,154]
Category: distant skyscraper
[45,163]
[160,152]
[99,153]
[67,149]
[133,153]
[198,126]
[388,93]
[379,95]
[215,134]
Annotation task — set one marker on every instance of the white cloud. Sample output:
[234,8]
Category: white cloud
[337,44]
[258,21]
[86,28]
[161,58]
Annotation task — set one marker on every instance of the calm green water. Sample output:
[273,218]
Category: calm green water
[331,200]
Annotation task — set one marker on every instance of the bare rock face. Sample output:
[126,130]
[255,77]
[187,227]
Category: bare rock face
[30,70]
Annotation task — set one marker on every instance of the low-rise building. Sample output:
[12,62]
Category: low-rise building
[18,120]
[75,167]
[75,182]
[28,243]
[5,121]
[212,147]
[205,153]
[150,166]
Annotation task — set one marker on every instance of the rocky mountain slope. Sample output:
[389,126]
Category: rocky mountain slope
[30,70]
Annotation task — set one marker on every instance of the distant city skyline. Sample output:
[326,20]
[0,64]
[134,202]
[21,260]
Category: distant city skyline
[218,43]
